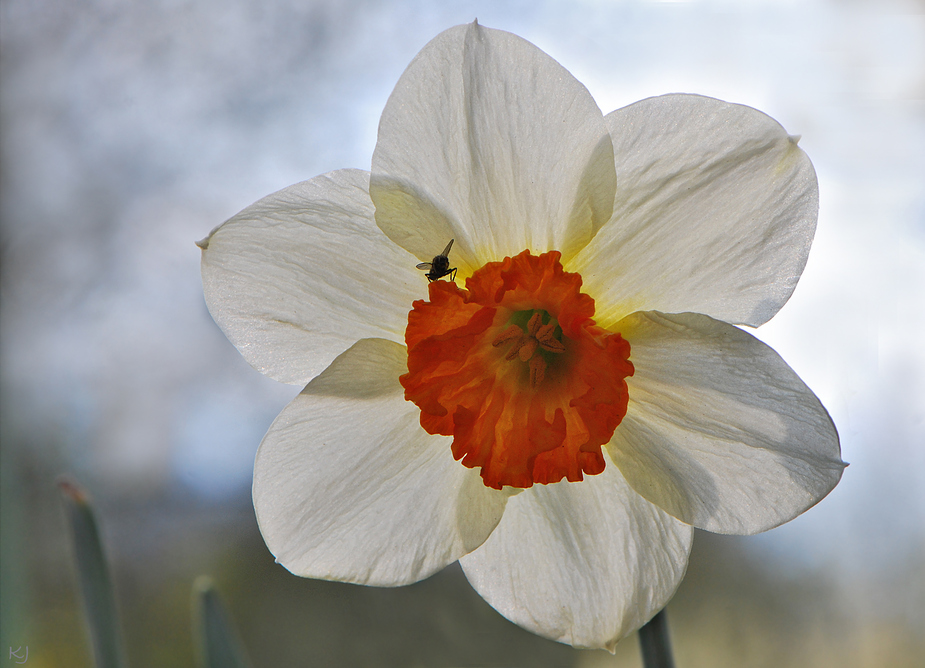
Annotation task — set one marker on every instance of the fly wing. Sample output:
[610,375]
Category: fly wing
[425,266]
[446,251]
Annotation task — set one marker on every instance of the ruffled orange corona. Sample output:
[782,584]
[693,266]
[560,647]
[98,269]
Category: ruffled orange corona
[514,368]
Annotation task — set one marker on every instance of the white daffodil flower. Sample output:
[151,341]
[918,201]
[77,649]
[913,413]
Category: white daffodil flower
[561,424]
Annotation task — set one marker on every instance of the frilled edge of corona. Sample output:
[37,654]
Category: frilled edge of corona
[514,369]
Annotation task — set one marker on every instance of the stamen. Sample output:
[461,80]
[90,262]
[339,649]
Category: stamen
[548,341]
[528,348]
[515,349]
[527,343]
[537,371]
[511,332]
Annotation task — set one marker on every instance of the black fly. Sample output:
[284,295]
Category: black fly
[440,266]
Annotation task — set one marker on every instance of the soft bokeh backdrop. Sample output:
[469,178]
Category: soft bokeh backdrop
[131,129]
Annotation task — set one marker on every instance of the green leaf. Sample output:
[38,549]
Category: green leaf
[93,575]
[220,646]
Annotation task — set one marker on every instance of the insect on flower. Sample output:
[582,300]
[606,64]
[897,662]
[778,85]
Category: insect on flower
[440,266]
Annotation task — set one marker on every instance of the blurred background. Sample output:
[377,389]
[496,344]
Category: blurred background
[130,130]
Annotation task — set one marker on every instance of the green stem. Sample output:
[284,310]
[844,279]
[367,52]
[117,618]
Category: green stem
[654,643]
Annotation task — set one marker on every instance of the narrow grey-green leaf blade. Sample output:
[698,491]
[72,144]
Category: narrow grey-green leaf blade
[220,646]
[93,574]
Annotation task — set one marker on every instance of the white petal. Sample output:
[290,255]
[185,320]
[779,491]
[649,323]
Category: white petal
[488,140]
[719,431]
[348,486]
[582,563]
[298,277]
[715,213]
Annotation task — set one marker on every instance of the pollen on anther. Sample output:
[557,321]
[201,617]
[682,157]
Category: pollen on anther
[511,332]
